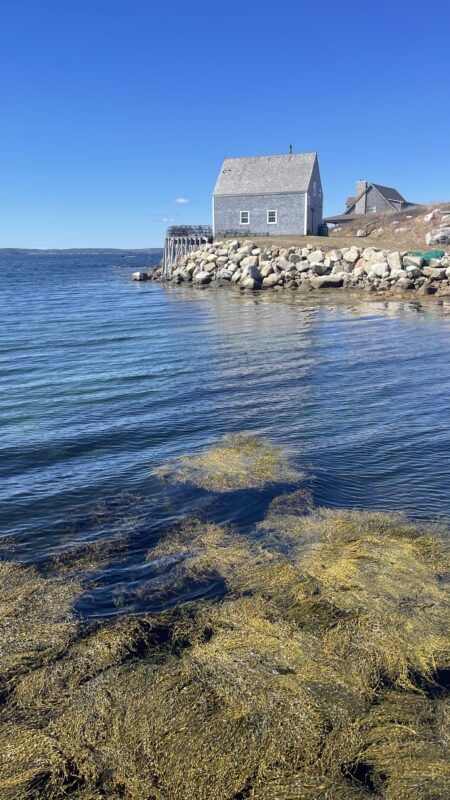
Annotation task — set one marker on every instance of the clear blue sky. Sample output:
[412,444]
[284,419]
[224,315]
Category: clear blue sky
[114,109]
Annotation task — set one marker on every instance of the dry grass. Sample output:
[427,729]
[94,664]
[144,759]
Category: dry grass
[413,238]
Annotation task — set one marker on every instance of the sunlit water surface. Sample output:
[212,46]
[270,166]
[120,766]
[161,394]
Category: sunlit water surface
[104,379]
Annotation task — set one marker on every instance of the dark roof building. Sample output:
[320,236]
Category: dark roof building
[376,199]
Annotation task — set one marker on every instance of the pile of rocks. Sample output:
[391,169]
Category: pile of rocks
[251,267]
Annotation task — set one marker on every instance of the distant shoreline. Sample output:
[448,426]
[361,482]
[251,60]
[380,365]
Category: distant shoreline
[78,250]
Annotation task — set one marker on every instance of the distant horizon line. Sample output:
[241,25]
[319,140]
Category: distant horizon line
[78,249]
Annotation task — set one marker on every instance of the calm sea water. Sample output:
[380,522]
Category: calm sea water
[103,380]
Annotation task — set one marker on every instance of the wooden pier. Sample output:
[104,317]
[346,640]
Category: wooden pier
[180,240]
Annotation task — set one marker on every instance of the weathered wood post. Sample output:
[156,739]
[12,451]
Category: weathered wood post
[181,240]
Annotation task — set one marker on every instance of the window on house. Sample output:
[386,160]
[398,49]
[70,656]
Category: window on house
[314,188]
[371,210]
[245,217]
[272,217]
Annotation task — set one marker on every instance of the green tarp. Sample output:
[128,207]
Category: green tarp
[429,255]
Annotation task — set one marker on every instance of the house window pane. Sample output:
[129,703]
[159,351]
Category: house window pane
[271,217]
[245,217]
[371,210]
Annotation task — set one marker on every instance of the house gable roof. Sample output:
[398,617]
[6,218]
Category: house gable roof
[266,174]
[386,192]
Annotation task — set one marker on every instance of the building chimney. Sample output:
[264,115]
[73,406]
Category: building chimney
[360,186]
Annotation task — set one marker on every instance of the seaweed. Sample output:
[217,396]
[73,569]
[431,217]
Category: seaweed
[238,461]
[315,675]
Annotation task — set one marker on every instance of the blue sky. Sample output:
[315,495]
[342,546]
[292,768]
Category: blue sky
[112,110]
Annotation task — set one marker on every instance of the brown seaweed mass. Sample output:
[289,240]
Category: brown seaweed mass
[318,675]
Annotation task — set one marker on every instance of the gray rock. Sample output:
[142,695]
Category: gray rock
[438,236]
[270,280]
[316,257]
[412,261]
[381,269]
[236,276]
[327,281]
[249,262]
[224,274]
[202,277]
[266,269]
[282,263]
[250,283]
[320,269]
[351,255]
[361,232]
[334,255]
[404,284]
[395,260]
[140,276]
[412,272]
[251,271]
[432,215]
[435,274]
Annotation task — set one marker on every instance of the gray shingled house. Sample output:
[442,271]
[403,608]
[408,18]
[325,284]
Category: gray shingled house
[268,196]
[376,199]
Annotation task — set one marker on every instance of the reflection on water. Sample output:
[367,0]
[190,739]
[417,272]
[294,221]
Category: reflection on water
[104,381]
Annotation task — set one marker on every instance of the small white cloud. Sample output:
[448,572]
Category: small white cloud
[167,219]
[182,200]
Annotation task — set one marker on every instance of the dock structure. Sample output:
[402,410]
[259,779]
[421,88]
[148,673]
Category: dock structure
[181,240]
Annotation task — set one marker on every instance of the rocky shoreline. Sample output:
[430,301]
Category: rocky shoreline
[251,267]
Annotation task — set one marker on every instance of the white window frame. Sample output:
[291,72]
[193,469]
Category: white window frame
[272,221]
[248,217]
[371,209]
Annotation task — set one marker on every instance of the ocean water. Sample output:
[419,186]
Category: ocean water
[103,380]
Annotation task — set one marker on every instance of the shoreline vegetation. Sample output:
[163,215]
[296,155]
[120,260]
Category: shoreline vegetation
[318,671]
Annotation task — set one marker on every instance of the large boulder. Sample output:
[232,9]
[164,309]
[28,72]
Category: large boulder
[224,274]
[412,273]
[381,269]
[435,274]
[432,214]
[266,268]
[351,255]
[250,283]
[404,284]
[438,236]
[249,262]
[327,281]
[251,271]
[320,269]
[413,261]
[202,277]
[140,276]
[316,256]
[270,281]
[334,255]
[394,260]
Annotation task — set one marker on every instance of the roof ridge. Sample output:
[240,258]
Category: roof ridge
[272,155]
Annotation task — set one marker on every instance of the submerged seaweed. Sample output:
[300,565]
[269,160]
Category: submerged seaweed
[316,675]
[238,461]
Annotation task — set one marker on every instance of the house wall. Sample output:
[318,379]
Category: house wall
[290,215]
[372,198]
[315,205]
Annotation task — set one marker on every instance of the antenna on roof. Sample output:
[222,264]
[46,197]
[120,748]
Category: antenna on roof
[290,149]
